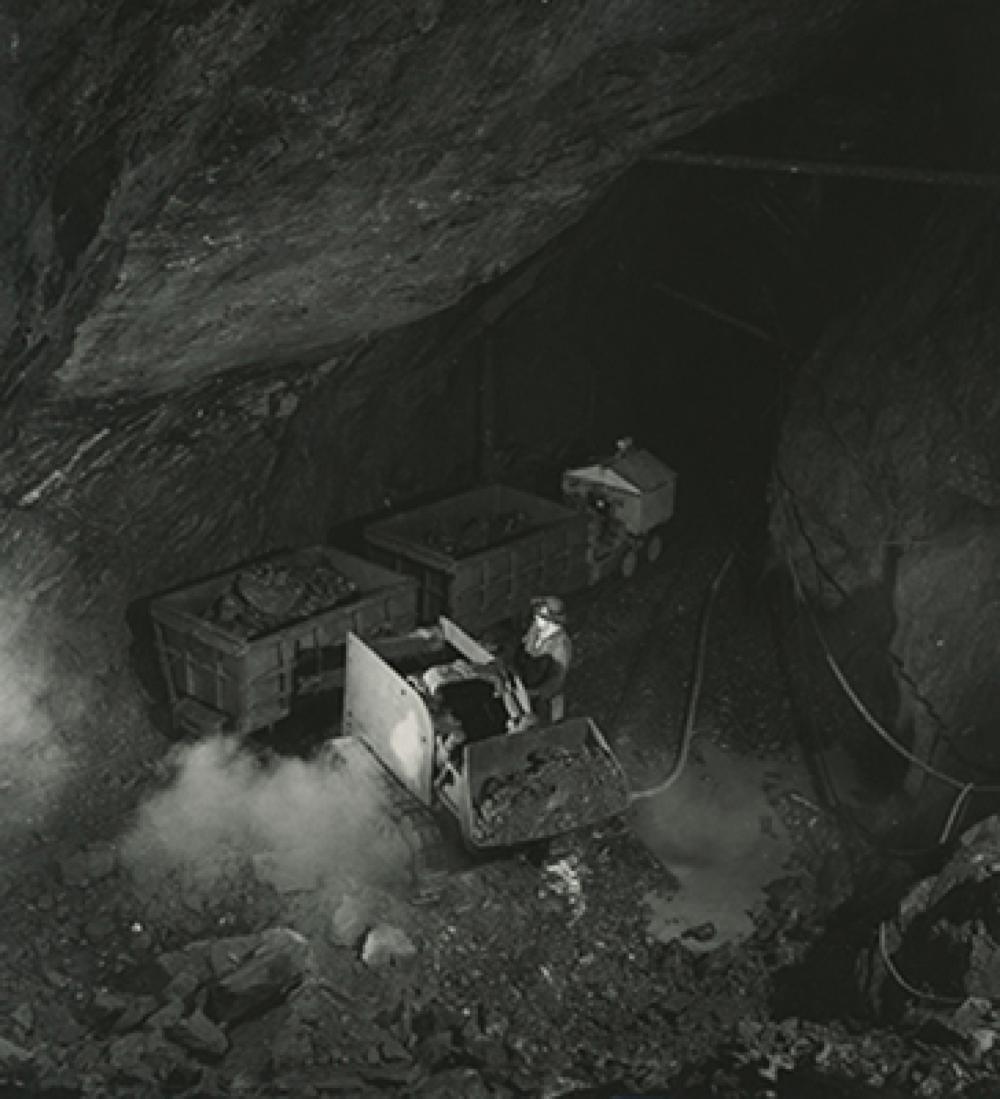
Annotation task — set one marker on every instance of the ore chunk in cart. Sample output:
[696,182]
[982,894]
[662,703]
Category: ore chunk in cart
[557,790]
[475,534]
[267,595]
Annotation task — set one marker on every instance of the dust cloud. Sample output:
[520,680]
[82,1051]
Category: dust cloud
[34,763]
[301,824]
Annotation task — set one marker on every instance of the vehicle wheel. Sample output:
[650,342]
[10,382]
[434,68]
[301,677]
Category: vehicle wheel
[630,562]
[654,547]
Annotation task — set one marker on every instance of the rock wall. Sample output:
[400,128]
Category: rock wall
[108,501]
[229,184]
[887,489]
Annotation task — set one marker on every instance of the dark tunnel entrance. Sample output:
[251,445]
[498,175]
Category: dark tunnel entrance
[734,272]
[680,314]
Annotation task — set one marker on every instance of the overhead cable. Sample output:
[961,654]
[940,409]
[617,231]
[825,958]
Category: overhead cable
[888,173]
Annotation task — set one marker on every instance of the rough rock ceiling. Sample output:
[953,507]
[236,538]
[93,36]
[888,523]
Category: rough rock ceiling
[199,186]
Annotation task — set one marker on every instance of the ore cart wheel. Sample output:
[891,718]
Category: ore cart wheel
[630,562]
[654,547]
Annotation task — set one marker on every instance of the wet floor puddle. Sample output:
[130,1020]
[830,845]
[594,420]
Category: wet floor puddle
[721,840]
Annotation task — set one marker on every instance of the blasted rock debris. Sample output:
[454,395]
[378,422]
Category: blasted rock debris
[277,964]
[558,790]
[526,980]
[385,945]
[939,956]
[478,533]
[264,596]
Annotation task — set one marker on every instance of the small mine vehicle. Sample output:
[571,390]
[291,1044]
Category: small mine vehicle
[631,495]
[452,725]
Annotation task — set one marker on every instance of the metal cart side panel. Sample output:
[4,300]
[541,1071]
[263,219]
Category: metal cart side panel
[384,711]
[549,553]
[248,683]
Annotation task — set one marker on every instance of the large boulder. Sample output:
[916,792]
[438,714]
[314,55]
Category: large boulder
[281,961]
[940,953]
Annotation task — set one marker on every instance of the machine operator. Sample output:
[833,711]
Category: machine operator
[544,656]
[529,692]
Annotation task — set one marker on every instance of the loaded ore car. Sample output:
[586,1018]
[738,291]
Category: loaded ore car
[480,556]
[238,648]
[631,497]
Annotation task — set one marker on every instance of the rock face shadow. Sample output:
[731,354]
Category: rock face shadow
[720,838]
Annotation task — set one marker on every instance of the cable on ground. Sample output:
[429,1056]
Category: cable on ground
[687,733]
[964,788]
[893,971]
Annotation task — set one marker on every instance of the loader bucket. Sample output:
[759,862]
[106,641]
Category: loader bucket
[540,783]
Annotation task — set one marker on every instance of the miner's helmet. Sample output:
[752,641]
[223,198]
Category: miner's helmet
[550,607]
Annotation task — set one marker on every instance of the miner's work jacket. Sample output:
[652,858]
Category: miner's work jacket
[544,662]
